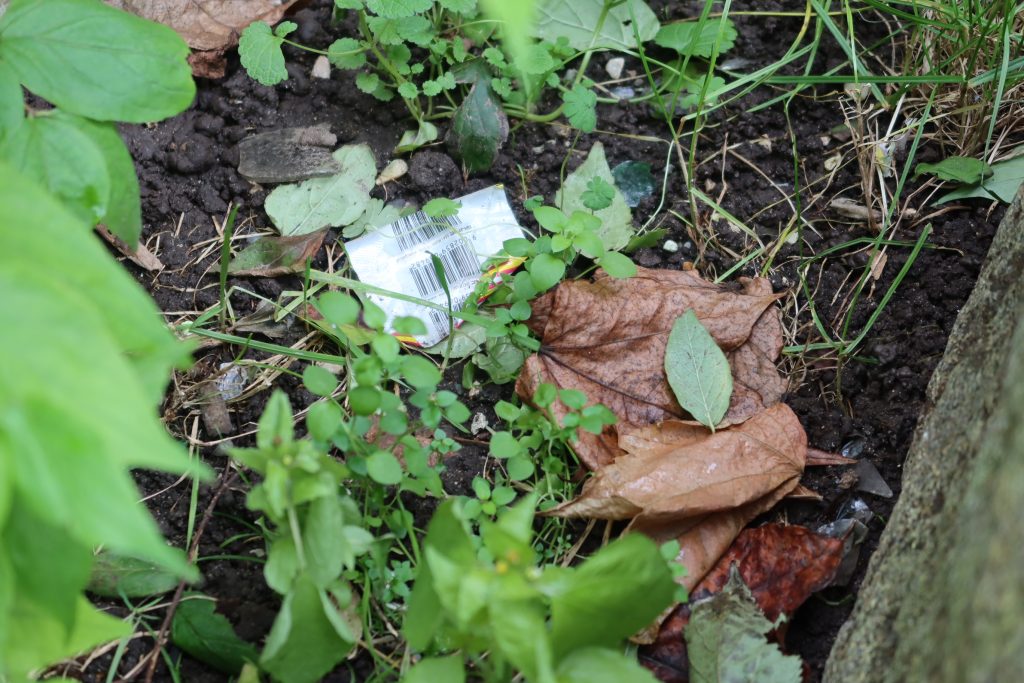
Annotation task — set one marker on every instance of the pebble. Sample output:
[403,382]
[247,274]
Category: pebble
[853,448]
[671,246]
[479,423]
[232,383]
[614,67]
[321,68]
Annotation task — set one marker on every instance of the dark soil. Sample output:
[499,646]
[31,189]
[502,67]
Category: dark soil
[187,169]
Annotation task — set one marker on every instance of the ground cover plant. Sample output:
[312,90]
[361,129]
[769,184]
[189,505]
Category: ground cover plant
[728,240]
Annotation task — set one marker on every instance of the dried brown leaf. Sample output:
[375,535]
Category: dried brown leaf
[782,565]
[210,27]
[673,472]
[140,256]
[608,338]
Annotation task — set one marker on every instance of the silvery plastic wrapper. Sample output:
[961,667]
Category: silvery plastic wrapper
[397,256]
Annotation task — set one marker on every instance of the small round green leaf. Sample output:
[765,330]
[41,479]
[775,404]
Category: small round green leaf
[383,468]
[546,271]
[319,381]
[617,265]
[364,400]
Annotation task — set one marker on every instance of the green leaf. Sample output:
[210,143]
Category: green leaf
[364,400]
[598,195]
[698,371]
[394,31]
[412,140]
[323,540]
[599,606]
[437,669]
[504,445]
[546,271]
[260,51]
[333,201]
[124,211]
[114,575]
[395,9]
[275,424]
[319,380]
[966,170]
[96,61]
[520,467]
[575,20]
[617,265]
[478,130]
[601,665]
[517,22]
[347,53]
[1003,184]
[73,456]
[337,308]
[460,6]
[441,206]
[616,220]
[12,101]
[304,642]
[420,372]
[209,637]
[725,640]
[384,468]
[581,108]
[697,39]
[323,419]
[54,152]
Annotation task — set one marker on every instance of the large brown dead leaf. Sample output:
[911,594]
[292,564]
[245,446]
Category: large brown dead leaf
[210,27]
[673,472]
[608,338]
[782,565]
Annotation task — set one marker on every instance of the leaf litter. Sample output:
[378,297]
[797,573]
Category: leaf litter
[660,467]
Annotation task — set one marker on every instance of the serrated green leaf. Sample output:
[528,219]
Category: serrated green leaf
[55,153]
[478,130]
[581,108]
[96,61]
[697,39]
[261,55]
[333,201]
[394,31]
[698,371]
[395,9]
[346,53]
[616,220]
[209,637]
[725,640]
[598,195]
[575,20]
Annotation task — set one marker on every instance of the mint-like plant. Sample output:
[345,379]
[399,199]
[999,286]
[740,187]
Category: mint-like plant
[87,357]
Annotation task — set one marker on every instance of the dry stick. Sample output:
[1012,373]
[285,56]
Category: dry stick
[193,552]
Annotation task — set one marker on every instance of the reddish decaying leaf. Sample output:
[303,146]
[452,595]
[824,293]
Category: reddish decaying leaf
[270,256]
[210,27]
[608,338]
[782,565]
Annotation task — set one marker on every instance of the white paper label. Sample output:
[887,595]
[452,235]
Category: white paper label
[397,256]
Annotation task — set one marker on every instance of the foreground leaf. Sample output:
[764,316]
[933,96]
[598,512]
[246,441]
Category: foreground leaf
[209,637]
[435,669]
[333,201]
[726,644]
[479,129]
[698,371]
[272,256]
[636,315]
[576,20]
[115,575]
[697,39]
[601,665]
[616,220]
[96,61]
[210,27]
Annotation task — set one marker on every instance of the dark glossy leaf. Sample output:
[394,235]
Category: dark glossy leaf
[479,129]
[209,637]
[271,256]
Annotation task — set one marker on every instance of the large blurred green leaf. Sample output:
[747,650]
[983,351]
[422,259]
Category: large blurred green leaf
[209,637]
[576,20]
[96,61]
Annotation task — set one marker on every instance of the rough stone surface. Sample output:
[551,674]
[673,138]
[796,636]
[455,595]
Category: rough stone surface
[943,600]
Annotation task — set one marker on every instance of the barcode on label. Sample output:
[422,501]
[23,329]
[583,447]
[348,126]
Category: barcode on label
[459,263]
[417,228]
[439,320]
